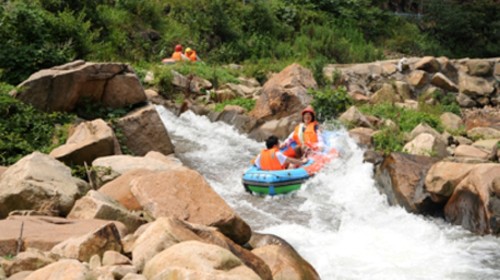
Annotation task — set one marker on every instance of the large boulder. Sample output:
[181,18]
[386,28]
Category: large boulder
[284,262]
[285,93]
[184,193]
[63,269]
[89,141]
[97,242]
[470,204]
[400,177]
[144,131]
[166,232]
[197,260]
[43,233]
[443,177]
[39,182]
[96,205]
[63,88]
[426,144]
[110,167]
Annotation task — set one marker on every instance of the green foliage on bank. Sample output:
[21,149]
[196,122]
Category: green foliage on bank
[43,33]
[390,139]
[24,130]
[245,103]
[329,103]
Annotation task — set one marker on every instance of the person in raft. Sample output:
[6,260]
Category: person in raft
[272,159]
[307,136]
[177,55]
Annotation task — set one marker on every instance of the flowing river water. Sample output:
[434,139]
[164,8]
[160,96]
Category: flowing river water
[338,221]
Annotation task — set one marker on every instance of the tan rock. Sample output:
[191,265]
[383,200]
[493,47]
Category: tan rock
[443,177]
[63,269]
[2,170]
[403,90]
[62,88]
[43,233]
[478,67]
[39,182]
[355,117]
[474,86]
[96,205]
[426,144]
[483,133]
[443,82]
[285,93]
[284,261]
[471,152]
[469,204]
[428,64]
[386,94]
[399,177]
[423,128]
[198,260]
[362,135]
[190,198]
[451,122]
[144,131]
[417,78]
[84,247]
[114,258]
[89,141]
[30,260]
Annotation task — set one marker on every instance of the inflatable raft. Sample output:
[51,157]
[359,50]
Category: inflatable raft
[256,180]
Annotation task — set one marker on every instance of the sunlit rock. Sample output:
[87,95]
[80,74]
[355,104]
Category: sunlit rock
[41,183]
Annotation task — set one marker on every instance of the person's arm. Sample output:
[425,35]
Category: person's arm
[284,159]
[321,142]
[287,141]
[257,161]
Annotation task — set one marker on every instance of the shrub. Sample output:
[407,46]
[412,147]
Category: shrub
[248,104]
[388,139]
[24,130]
[329,103]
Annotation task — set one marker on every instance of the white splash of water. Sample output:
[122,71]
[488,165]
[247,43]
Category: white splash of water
[338,222]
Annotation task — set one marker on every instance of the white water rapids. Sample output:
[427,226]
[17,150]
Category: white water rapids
[338,222]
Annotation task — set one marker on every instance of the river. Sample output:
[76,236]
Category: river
[338,221]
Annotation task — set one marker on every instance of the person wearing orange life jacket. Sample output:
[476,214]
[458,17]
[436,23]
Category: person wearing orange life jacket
[177,55]
[191,54]
[272,159]
[307,134]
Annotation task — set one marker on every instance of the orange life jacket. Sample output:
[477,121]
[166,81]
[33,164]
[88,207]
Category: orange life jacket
[269,160]
[177,56]
[309,135]
[192,56]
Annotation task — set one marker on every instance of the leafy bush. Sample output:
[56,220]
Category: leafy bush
[33,38]
[392,139]
[329,103]
[24,130]
[247,104]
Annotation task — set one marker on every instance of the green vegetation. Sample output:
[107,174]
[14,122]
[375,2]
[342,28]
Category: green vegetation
[24,130]
[44,33]
[263,36]
[247,104]
[329,103]
[392,138]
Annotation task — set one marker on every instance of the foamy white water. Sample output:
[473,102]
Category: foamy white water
[338,222]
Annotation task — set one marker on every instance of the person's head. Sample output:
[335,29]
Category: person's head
[272,141]
[178,48]
[189,50]
[308,114]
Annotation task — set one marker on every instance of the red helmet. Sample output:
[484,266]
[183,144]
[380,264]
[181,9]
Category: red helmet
[309,109]
[178,48]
